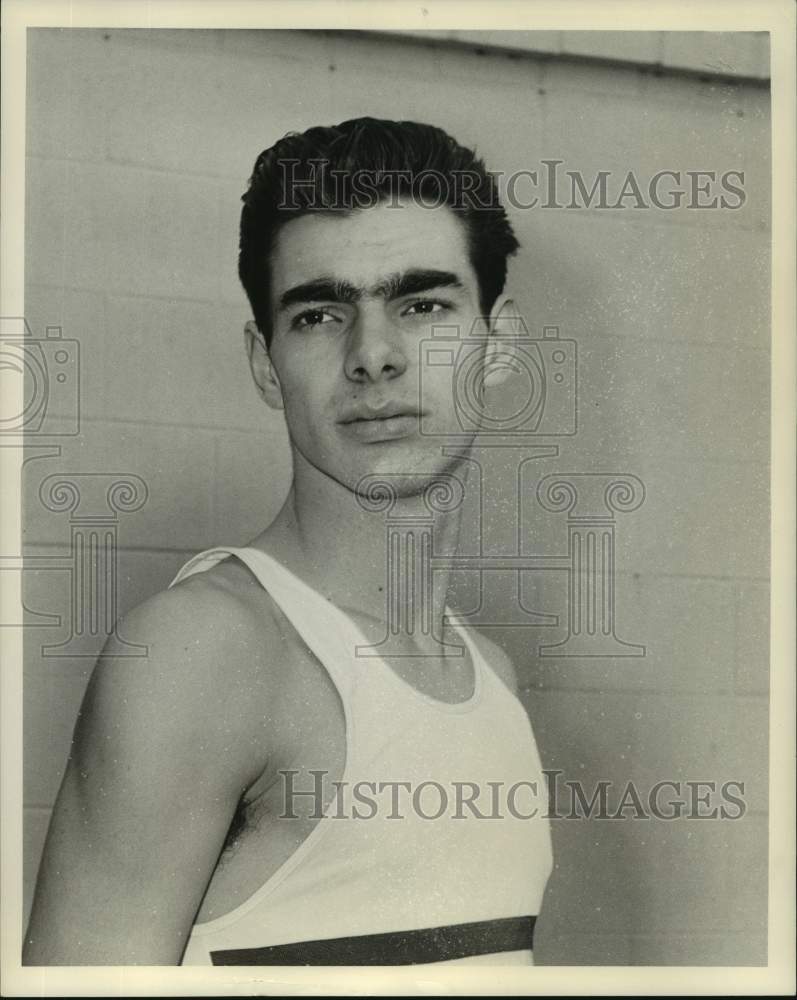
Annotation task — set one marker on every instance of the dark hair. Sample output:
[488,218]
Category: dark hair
[357,165]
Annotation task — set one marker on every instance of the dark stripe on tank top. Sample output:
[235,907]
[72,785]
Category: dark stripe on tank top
[411,947]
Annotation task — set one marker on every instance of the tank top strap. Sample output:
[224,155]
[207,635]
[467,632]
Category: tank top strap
[319,624]
[302,604]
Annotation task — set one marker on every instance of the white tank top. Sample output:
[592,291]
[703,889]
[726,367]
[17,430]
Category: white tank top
[418,875]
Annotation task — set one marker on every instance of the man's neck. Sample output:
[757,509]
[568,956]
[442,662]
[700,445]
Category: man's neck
[338,543]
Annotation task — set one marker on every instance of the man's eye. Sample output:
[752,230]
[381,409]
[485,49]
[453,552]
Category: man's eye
[313,317]
[425,307]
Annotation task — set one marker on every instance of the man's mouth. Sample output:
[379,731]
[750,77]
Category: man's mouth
[383,423]
[386,411]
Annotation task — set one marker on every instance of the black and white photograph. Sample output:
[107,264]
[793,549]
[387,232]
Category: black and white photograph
[391,589]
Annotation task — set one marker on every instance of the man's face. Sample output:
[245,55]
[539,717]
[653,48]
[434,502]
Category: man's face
[353,298]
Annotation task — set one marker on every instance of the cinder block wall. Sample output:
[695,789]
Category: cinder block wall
[139,148]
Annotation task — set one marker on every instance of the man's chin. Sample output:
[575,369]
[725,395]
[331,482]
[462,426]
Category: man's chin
[408,468]
[413,473]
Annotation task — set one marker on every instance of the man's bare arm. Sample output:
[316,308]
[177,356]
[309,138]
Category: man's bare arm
[163,748]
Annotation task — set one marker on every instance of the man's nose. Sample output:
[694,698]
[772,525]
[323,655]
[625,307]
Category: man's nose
[374,350]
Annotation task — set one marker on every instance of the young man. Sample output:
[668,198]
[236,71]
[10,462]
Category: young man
[264,790]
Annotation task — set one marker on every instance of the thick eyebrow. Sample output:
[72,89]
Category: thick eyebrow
[415,281]
[394,286]
[320,290]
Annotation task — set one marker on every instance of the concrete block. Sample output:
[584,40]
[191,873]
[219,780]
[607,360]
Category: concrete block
[234,109]
[571,85]
[699,518]
[750,861]
[714,739]
[623,46]
[593,889]
[178,362]
[726,948]
[712,879]
[763,66]
[168,224]
[560,948]
[735,53]
[175,463]
[751,747]
[262,100]
[525,41]
[253,476]
[598,277]
[231,291]
[634,132]
[69,102]
[683,874]
[684,624]
[703,402]
[549,42]
[683,739]
[712,130]
[752,637]
[588,736]
[81,317]
[46,185]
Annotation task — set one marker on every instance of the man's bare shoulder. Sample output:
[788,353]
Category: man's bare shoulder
[497,658]
[220,610]
[213,668]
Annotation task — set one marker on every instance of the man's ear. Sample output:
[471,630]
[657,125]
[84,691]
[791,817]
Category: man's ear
[263,371]
[506,325]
